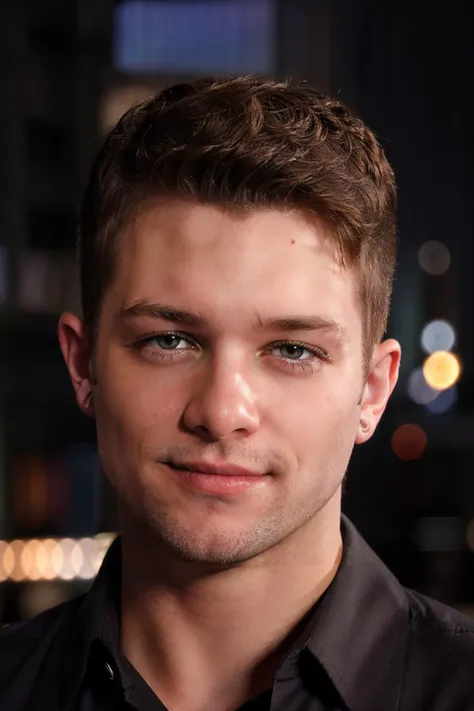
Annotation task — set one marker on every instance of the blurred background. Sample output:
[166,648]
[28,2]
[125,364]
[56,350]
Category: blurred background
[68,70]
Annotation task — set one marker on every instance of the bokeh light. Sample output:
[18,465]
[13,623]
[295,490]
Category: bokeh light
[438,336]
[409,442]
[434,257]
[419,390]
[33,552]
[53,559]
[17,573]
[444,402]
[77,559]
[8,561]
[88,569]
[3,570]
[49,556]
[27,561]
[68,569]
[441,370]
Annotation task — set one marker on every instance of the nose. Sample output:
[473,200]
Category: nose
[224,404]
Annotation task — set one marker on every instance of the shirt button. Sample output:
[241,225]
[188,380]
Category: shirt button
[110,671]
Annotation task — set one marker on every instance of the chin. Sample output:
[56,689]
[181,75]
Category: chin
[212,547]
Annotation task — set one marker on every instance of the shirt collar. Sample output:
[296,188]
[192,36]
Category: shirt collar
[360,628]
[358,632]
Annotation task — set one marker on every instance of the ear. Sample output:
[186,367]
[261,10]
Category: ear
[381,381]
[75,347]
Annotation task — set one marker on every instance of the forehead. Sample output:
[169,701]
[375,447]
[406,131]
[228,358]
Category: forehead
[276,262]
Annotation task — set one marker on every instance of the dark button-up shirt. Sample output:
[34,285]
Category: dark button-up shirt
[369,645]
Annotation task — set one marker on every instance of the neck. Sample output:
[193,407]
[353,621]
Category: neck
[217,635]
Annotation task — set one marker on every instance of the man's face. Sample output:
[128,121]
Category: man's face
[227,339]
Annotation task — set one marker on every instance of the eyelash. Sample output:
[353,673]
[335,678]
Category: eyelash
[307,365]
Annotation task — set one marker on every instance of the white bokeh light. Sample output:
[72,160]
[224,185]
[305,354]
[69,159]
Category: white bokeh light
[438,335]
[419,390]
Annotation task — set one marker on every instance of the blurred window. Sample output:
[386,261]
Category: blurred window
[195,36]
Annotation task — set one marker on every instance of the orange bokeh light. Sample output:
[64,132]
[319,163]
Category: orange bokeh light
[441,370]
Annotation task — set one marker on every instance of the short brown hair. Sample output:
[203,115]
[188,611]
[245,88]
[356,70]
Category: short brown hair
[249,143]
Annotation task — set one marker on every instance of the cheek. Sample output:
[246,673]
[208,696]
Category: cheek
[321,420]
[137,410]
[132,399]
[131,421]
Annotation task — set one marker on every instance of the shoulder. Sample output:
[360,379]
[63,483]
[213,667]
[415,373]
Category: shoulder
[29,642]
[440,650]
[432,619]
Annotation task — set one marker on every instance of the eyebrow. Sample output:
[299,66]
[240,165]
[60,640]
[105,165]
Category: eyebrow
[188,318]
[162,311]
[302,323]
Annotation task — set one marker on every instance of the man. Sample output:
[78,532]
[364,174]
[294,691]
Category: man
[237,253]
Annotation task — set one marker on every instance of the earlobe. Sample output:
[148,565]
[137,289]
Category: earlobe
[75,348]
[381,381]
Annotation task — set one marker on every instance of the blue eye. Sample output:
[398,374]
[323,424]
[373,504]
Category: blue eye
[294,351]
[169,341]
[163,346]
